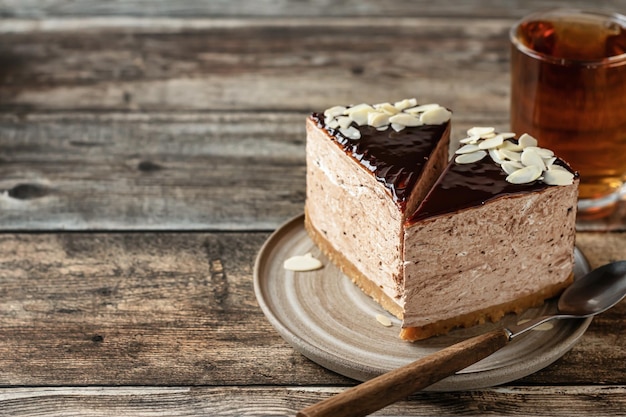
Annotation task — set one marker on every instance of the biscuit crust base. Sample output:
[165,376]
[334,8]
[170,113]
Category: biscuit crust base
[412,334]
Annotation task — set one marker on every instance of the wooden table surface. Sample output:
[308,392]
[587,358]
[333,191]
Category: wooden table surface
[149,148]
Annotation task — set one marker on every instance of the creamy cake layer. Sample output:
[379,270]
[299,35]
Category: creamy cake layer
[506,255]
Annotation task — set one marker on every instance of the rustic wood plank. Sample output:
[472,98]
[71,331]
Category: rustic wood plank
[602,248]
[138,309]
[120,172]
[179,309]
[180,65]
[566,401]
[194,8]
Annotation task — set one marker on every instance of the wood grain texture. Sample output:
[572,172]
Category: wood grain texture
[194,8]
[602,248]
[170,309]
[271,64]
[159,172]
[557,401]
[156,309]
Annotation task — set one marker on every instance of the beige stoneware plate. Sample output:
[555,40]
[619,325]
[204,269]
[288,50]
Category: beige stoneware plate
[326,318]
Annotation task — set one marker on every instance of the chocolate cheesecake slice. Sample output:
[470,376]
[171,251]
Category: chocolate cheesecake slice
[439,245]
[368,167]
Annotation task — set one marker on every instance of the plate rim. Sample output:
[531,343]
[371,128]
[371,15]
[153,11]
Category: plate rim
[360,372]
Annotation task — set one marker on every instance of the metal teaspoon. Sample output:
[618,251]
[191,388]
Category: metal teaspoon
[592,294]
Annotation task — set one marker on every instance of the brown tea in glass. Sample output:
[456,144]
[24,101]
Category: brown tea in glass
[568,89]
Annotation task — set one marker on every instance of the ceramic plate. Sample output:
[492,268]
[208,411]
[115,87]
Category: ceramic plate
[329,320]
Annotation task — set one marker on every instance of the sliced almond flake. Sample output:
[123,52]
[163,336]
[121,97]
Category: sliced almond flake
[471,140]
[436,116]
[387,108]
[358,108]
[377,119]
[422,108]
[379,114]
[335,111]
[495,156]
[542,152]
[382,128]
[332,123]
[405,104]
[549,162]
[397,127]
[469,158]
[351,132]
[491,143]
[359,113]
[545,153]
[557,168]
[525,175]
[467,149]
[510,155]
[558,177]
[384,320]
[405,120]
[517,164]
[507,135]
[511,166]
[526,140]
[523,162]
[344,121]
[507,144]
[531,157]
[360,116]
[302,263]
[480,131]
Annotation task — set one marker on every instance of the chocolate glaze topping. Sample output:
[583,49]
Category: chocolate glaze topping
[396,159]
[463,186]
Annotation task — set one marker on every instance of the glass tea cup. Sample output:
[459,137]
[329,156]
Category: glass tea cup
[568,89]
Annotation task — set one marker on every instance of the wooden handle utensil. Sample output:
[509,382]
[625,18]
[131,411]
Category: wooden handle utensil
[395,385]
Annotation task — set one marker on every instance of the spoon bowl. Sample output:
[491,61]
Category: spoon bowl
[596,292]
